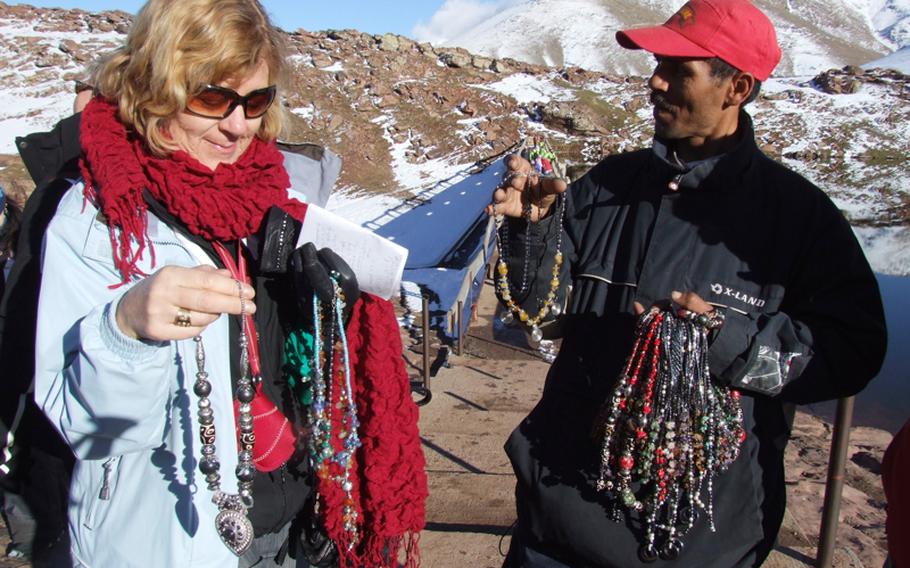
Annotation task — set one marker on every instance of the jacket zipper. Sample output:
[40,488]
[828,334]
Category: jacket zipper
[677,179]
[105,493]
[284,491]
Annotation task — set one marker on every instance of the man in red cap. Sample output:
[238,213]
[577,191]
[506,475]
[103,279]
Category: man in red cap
[705,223]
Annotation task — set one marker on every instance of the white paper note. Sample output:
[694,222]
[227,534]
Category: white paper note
[377,262]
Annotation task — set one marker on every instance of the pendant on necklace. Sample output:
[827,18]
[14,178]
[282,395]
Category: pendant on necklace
[232,524]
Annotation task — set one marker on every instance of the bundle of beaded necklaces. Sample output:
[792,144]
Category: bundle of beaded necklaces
[668,430]
[543,161]
[333,412]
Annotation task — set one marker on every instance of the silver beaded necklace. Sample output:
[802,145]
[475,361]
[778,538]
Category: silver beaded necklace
[232,522]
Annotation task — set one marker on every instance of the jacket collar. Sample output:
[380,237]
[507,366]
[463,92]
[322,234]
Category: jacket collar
[694,174]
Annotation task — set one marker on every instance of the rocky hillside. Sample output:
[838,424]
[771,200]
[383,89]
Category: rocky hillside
[405,115]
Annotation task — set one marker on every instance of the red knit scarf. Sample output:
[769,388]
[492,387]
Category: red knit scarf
[390,488]
[223,204]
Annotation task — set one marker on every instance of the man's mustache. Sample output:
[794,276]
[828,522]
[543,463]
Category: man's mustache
[659,101]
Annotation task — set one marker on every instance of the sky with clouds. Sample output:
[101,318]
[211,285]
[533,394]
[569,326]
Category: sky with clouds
[455,16]
[423,20]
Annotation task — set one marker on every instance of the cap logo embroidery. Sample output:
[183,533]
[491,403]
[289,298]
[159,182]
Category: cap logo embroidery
[685,16]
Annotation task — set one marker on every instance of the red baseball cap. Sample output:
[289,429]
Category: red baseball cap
[733,30]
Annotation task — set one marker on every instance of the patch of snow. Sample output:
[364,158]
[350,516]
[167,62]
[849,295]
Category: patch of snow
[413,300]
[806,55]
[24,112]
[359,207]
[299,59]
[529,89]
[415,176]
[899,60]
[337,66]
[891,19]
[53,37]
[307,112]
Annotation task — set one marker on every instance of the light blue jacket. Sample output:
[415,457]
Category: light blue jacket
[126,407]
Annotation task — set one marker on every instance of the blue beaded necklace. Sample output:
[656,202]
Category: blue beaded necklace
[324,441]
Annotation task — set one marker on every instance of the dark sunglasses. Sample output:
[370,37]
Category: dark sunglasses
[219,102]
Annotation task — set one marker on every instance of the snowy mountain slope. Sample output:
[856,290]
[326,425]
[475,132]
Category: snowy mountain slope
[890,21]
[814,34]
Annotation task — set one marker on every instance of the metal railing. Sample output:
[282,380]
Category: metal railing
[424,389]
[834,486]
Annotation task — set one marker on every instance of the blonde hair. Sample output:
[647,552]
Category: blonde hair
[177,47]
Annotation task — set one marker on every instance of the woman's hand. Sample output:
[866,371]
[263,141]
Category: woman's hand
[153,308]
[522,186]
[313,273]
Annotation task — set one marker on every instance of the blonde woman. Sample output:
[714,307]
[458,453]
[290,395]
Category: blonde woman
[179,167]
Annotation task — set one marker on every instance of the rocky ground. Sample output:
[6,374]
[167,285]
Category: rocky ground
[861,535]
[479,396]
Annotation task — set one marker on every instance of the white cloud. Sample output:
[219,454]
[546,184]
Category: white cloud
[455,17]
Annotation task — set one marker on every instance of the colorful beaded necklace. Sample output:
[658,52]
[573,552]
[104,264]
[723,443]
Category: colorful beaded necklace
[334,436]
[668,429]
[543,161]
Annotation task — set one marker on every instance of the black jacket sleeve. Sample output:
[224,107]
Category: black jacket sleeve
[828,338]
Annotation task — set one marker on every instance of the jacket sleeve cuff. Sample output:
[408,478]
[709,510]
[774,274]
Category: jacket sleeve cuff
[731,351]
[119,343]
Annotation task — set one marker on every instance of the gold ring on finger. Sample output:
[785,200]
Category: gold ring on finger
[182,319]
